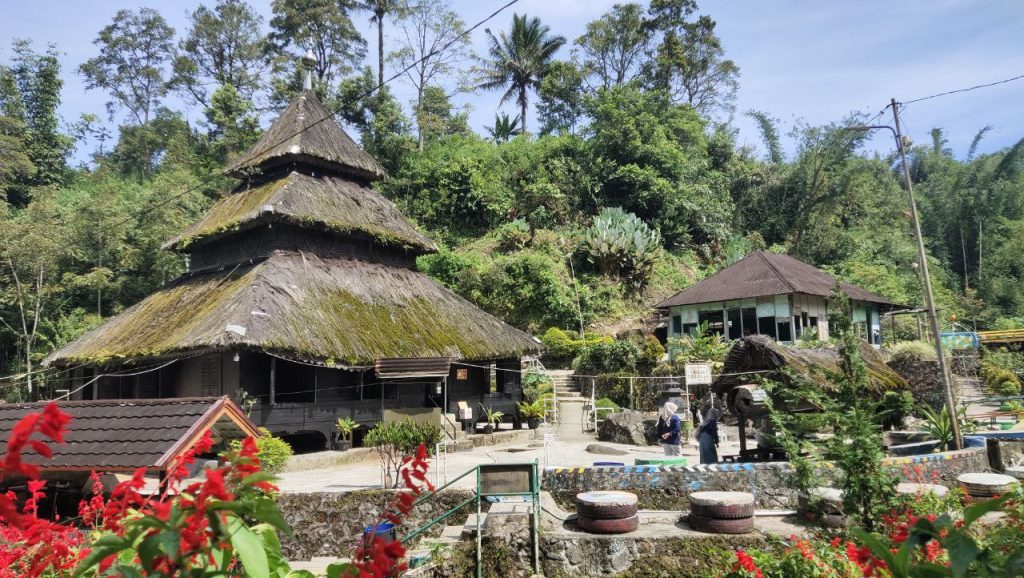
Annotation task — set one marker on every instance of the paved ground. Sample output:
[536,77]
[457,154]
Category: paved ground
[566,447]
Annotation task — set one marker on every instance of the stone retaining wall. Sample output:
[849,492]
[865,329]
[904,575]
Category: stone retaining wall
[668,488]
[330,524]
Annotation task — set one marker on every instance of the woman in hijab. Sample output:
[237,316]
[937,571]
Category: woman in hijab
[669,426]
[707,435]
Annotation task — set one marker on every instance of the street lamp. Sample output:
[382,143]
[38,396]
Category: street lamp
[902,142]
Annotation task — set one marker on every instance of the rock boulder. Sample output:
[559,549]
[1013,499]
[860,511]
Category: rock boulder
[629,427]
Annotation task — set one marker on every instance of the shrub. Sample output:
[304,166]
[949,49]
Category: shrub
[513,236]
[912,351]
[561,347]
[702,345]
[622,246]
[536,386]
[273,452]
[998,380]
[394,440]
[893,409]
[609,357]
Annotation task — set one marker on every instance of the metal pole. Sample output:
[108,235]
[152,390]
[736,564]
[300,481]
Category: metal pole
[479,530]
[929,299]
[632,405]
[536,518]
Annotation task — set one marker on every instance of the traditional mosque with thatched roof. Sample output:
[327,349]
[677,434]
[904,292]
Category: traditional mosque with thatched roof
[303,301]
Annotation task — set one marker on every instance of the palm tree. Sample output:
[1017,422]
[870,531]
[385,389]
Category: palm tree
[504,127]
[380,9]
[519,60]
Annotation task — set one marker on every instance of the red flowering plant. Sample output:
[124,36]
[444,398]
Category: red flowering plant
[806,558]
[226,524]
[29,545]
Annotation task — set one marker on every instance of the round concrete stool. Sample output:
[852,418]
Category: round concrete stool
[608,526]
[911,489]
[722,505]
[610,505]
[981,485]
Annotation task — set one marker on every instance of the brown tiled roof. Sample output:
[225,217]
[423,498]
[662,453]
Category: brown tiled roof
[112,435]
[306,131]
[762,274]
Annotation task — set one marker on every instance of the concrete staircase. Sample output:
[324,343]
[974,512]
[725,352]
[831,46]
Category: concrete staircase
[565,386]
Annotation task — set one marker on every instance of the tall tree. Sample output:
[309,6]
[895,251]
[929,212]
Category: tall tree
[428,28]
[224,45]
[614,45]
[323,26]
[689,61]
[560,97]
[134,52]
[519,60]
[33,149]
[381,9]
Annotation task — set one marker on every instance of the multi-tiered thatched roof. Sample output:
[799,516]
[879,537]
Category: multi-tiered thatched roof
[345,310]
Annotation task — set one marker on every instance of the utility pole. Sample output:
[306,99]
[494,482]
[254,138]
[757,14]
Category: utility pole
[929,298]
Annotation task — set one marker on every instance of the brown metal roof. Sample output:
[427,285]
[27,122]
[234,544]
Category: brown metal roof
[126,434]
[307,132]
[762,274]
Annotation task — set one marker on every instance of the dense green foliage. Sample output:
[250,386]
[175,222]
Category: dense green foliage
[395,440]
[273,452]
[630,120]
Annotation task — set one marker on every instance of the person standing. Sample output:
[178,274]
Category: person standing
[707,435]
[668,429]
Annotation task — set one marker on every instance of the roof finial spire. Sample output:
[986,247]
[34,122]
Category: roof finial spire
[309,63]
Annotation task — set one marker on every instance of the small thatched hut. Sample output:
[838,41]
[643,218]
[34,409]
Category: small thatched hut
[302,301]
[765,358]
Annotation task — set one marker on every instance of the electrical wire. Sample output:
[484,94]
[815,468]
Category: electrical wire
[959,90]
[209,179]
[129,373]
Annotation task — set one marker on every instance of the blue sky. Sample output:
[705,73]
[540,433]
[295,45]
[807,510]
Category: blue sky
[799,59]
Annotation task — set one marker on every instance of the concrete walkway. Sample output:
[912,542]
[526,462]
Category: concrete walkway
[566,447]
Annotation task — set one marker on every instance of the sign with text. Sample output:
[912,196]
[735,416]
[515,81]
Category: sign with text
[698,374]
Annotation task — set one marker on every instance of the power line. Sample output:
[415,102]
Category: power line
[968,89]
[208,179]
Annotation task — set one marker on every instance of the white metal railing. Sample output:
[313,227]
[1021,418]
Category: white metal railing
[550,403]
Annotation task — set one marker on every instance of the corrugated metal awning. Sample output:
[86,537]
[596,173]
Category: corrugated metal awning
[413,367]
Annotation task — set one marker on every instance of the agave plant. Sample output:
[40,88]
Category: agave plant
[940,427]
[621,245]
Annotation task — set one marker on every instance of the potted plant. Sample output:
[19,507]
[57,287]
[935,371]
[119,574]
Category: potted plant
[345,427]
[533,412]
[492,418]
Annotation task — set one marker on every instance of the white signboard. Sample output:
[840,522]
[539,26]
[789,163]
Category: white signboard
[698,374]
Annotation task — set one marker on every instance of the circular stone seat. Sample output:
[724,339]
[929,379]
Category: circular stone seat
[722,505]
[912,489]
[721,498]
[984,485]
[606,505]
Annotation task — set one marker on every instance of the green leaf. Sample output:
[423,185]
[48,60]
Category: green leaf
[342,570]
[978,510]
[266,510]
[963,551]
[249,548]
[105,546]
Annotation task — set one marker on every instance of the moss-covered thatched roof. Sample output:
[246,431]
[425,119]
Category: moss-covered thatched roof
[766,358]
[327,202]
[335,311]
[306,132]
